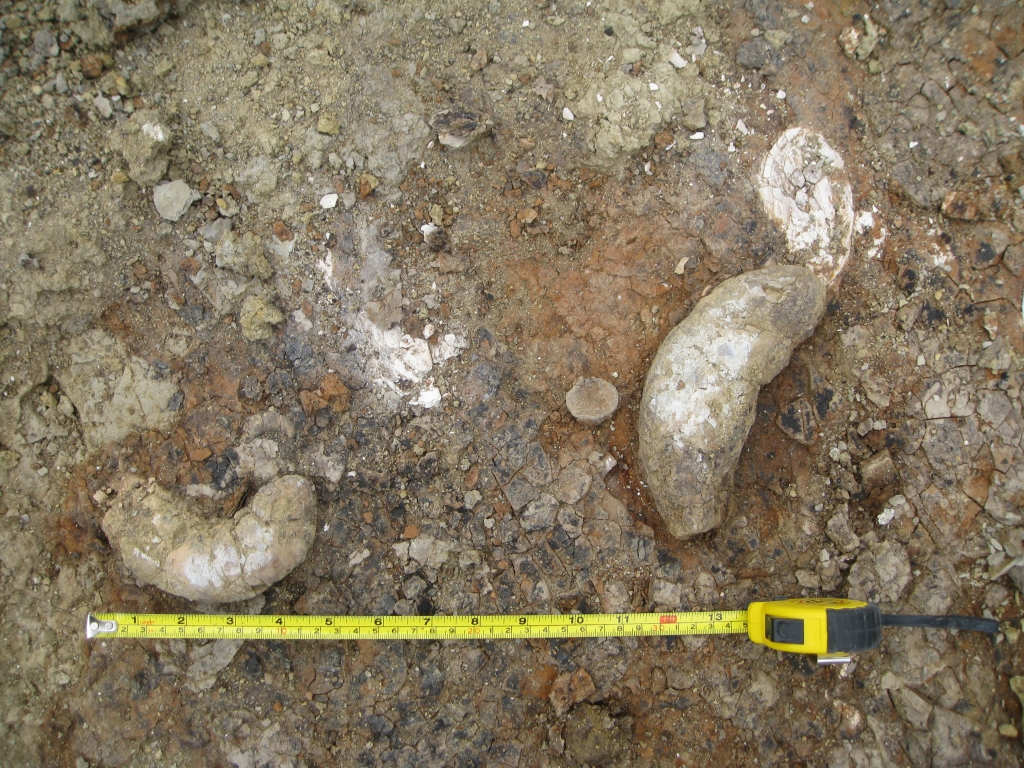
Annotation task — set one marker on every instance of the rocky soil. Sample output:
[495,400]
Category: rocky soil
[374,244]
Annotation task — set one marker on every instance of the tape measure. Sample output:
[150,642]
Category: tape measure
[830,628]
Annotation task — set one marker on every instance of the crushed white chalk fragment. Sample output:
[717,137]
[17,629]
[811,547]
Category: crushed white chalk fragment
[697,136]
[567,114]
[428,397]
[781,95]
[742,127]
[865,222]
[676,60]
[329,201]
[451,345]
[653,86]
[155,131]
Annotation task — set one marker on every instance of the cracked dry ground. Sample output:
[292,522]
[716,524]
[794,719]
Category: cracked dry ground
[123,356]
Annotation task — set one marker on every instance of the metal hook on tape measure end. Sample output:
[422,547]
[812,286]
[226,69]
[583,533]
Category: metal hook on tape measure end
[95,627]
[827,659]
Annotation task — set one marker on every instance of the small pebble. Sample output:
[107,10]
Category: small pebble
[567,114]
[173,199]
[102,104]
[329,201]
[592,400]
[210,131]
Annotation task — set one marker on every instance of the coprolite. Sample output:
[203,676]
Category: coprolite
[830,628]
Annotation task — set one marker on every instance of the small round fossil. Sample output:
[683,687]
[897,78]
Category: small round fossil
[591,400]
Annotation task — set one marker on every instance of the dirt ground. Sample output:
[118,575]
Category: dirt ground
[133,346]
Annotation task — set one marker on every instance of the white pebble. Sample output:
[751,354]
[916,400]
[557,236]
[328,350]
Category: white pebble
[697,136]
[653,86]
[567,114]
[676,60]
[328,201]
[102,105]
[781,95]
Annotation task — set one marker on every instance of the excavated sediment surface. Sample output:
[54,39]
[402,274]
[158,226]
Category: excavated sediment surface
[292,320]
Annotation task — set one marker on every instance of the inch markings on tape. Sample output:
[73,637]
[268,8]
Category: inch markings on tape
[507,627]
[830,628]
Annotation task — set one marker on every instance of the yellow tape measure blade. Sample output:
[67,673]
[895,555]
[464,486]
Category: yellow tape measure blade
[438,627]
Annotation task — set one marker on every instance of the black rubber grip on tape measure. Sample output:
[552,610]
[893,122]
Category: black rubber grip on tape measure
[942,622]
[852,630]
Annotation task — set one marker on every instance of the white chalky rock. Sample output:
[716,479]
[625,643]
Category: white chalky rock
[164,543]
[700,396]
[804,188]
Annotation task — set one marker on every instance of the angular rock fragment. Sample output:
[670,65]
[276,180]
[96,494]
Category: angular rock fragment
[878,471]
[569,689]
[258,317]
[539,515]
[115,392]
[435,237]
[144,141]
[701,391]
[880,574]
[173,199]
[458,127]
[164,543]
[244,255]
[840,532]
